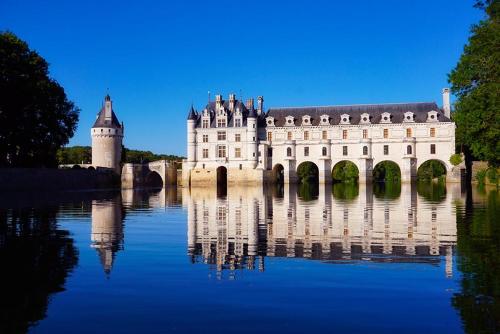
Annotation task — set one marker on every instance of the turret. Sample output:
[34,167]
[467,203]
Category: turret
[191,136]
[107,136]
[252,138]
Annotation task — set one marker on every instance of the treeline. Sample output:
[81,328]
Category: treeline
[83,155]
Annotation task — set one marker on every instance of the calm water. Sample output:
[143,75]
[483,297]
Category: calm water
[349,259]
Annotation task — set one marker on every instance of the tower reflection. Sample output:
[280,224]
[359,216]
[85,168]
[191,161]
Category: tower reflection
[338,225]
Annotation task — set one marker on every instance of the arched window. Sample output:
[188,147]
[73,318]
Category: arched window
[323,151]
[408,149]
[288,151]
[365,150]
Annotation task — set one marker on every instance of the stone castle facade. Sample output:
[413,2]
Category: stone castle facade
[243,144]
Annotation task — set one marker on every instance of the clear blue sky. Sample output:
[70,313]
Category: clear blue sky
[158,57]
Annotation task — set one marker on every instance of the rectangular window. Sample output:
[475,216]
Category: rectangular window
[344,150]
[386,149]
[344,134]
[237,137]
[237,152]
[221,151]
[205,124]
[221,135]
[205,138]
[386,133]
[433,132]
[221,122]
[306,151]
[408,133]
[433,148]
[324,135]
[269,136]
[289,136]
[237,122]
[306,135]
[365,133]
[205,153]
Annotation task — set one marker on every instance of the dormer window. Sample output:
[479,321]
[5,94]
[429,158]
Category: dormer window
[432,116]
[345,119]
[409,117]
[306,120]
[221,122]
[325,120]
[270,121]
[289,121]
[385,118]
[365,118]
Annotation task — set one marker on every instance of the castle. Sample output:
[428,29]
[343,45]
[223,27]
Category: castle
[107,136]
[229,141]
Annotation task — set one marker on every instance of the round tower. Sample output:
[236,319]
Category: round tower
[107,137]
[191,136]
[252,137]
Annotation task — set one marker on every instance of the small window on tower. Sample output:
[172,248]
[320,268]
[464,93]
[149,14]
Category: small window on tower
[344,134]
[324,135]
[386,133]
[344,150]
[289,135]
[433,132]
[306,135]
[365,133]
[306,151]
[237,137]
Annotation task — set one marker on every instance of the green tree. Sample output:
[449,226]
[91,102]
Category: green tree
[387,171]
[431,169]
[36,117]
[345,171]
[476,83]
[307,172]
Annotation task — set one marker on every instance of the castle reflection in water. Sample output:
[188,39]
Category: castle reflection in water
[239,230]
[250,224]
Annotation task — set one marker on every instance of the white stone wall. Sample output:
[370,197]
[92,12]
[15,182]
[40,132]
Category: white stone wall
[107,148]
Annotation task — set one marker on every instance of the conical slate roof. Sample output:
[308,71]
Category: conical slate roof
[192,114]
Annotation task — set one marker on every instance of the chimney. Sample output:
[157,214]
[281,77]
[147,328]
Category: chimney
[218,102]
[232,100]
[249,104]
[108,110]
[260,105]
[446,102]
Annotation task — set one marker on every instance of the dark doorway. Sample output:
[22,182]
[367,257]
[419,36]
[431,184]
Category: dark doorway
[221,181]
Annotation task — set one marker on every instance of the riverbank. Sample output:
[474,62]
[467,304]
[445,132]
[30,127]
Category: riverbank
[14,179]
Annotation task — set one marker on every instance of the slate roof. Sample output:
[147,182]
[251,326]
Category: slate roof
[230,114]
[101,122]
[375,111]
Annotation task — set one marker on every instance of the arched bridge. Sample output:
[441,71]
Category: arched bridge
[161,173]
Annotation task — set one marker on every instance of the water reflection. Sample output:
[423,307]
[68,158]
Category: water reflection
[335,225]
[254,231]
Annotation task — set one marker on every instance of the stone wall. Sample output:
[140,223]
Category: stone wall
[13,179]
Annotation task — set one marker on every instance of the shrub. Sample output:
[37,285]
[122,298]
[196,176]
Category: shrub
[481,176]
[492,175]
[456,159]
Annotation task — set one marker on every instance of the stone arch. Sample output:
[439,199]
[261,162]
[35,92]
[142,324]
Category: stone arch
[345,171]
[431,169]
[153,180]
[387,171]
[278,174]
[308,172]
